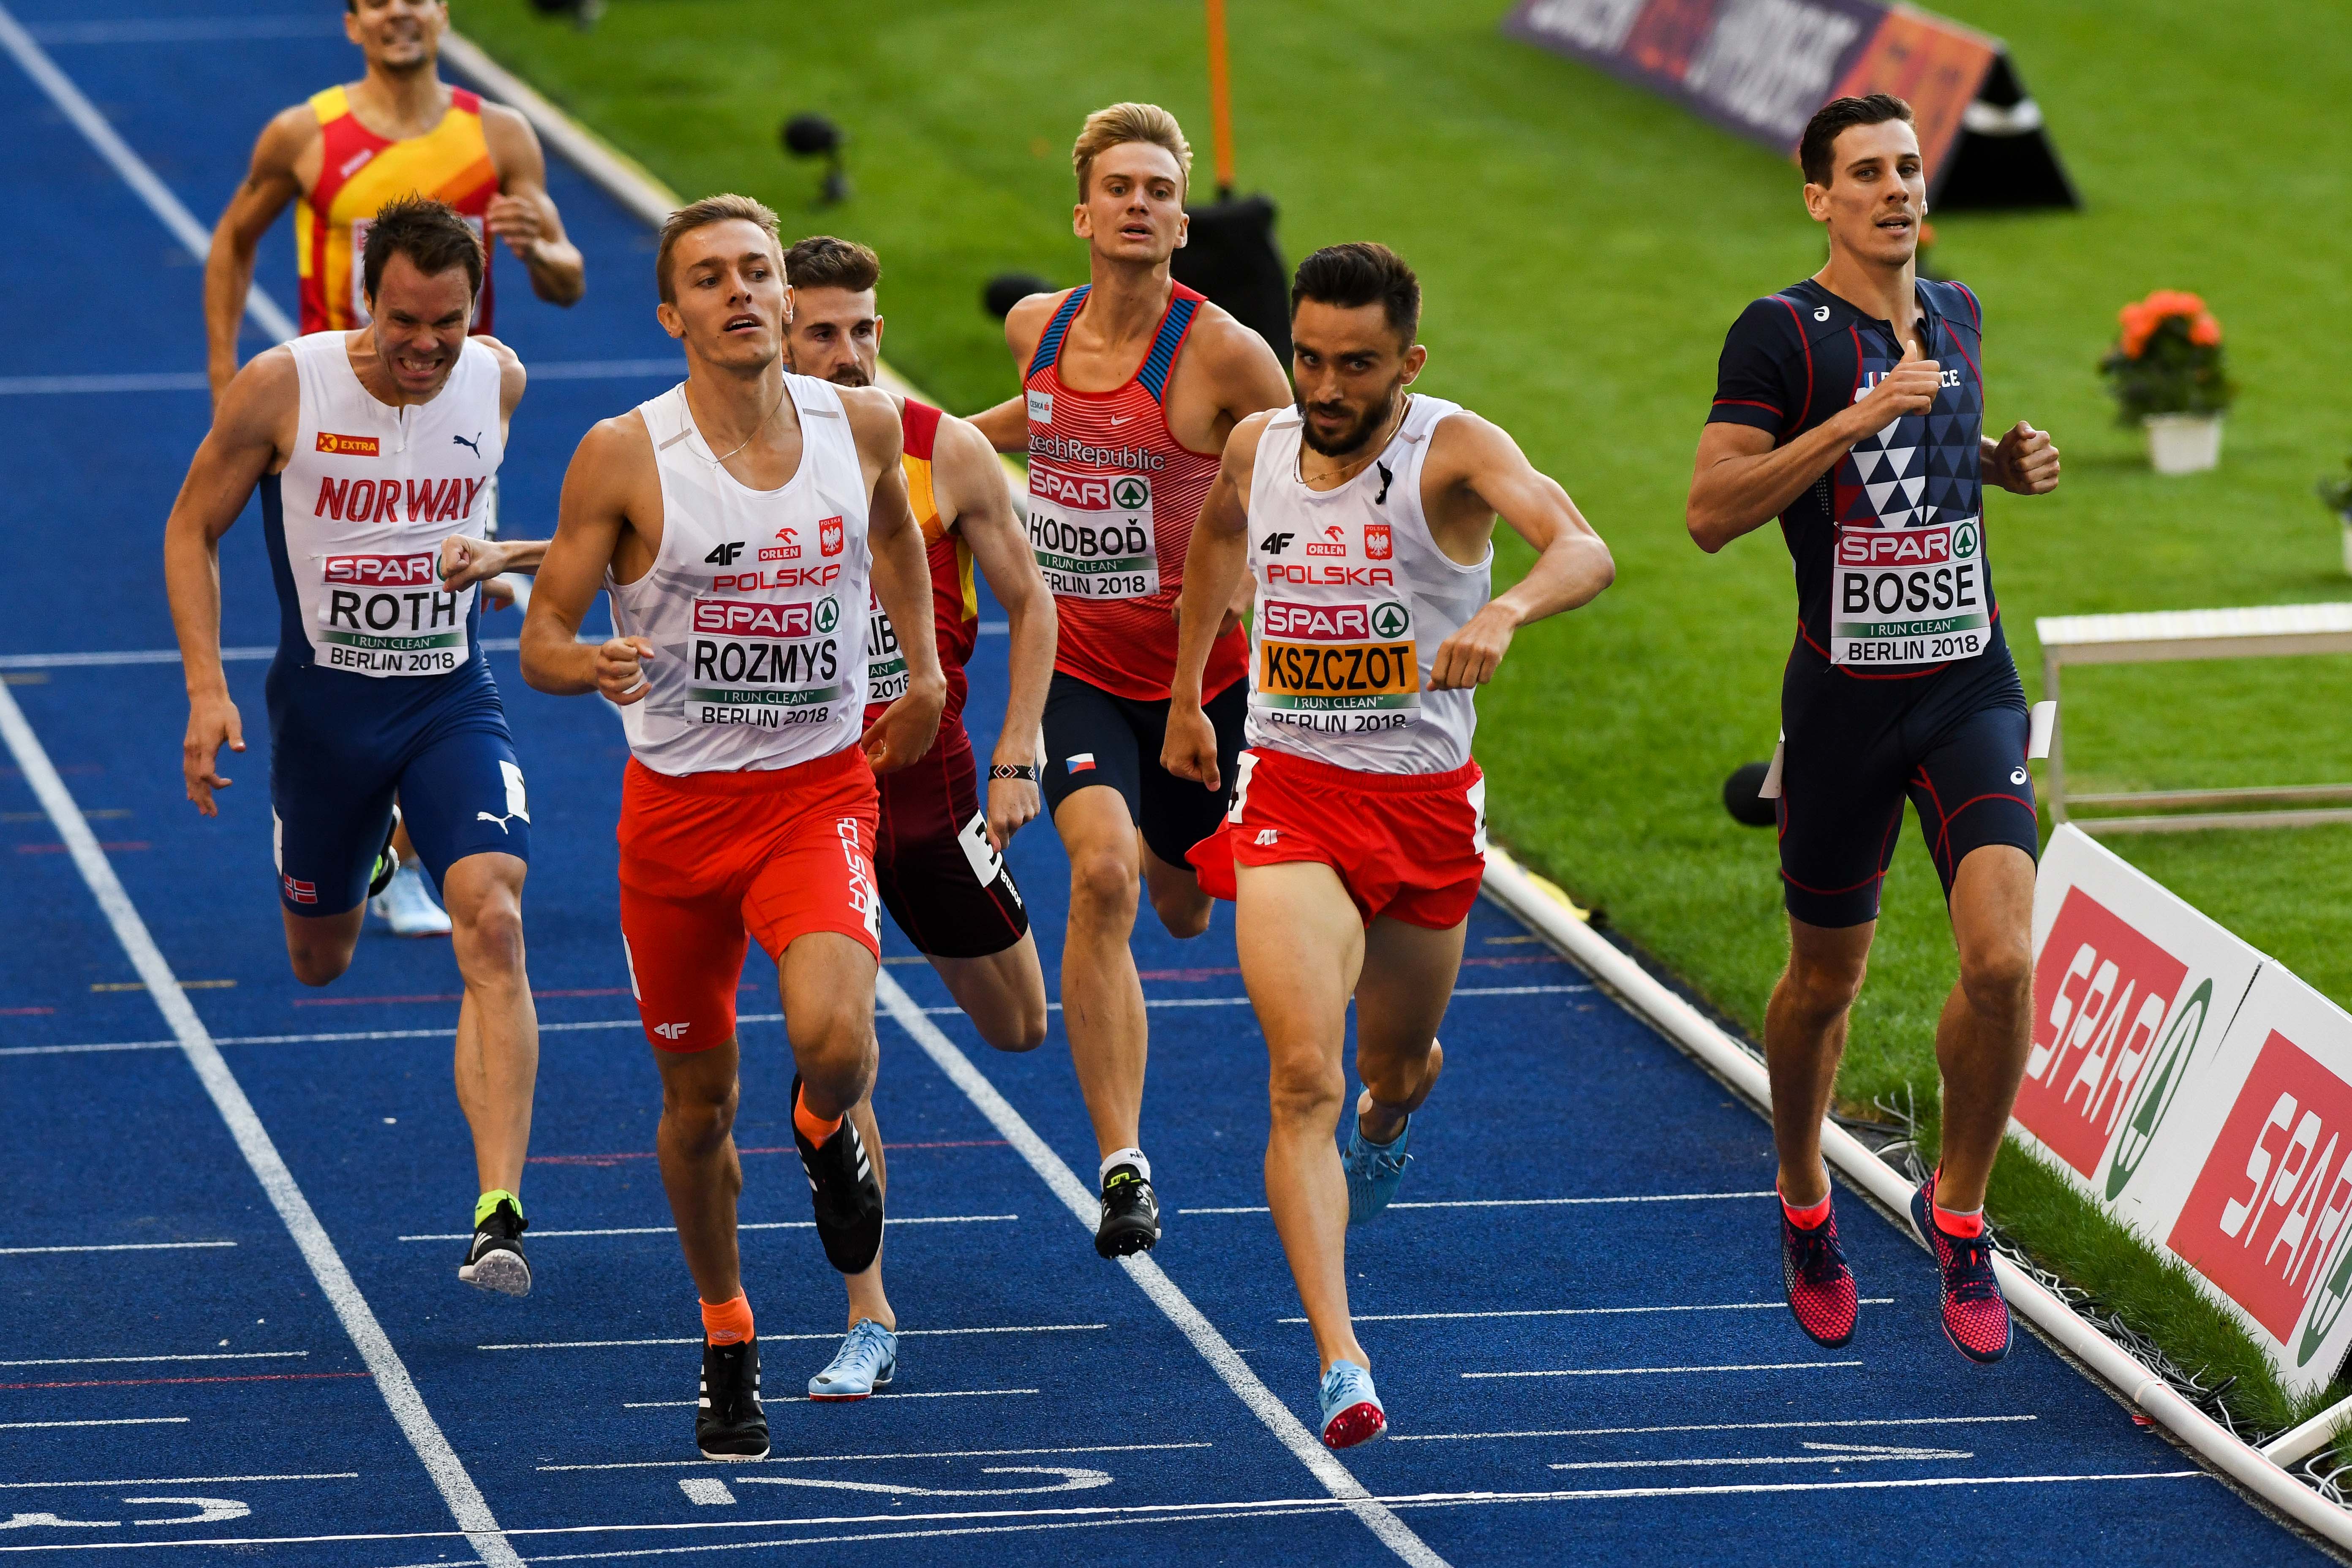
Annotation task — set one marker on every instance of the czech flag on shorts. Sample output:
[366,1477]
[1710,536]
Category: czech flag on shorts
[1083,763]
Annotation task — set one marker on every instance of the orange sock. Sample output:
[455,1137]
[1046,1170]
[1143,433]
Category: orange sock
[727,1323]
[817,1132]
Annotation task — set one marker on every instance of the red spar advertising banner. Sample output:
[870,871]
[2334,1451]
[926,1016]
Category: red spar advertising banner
[2199,1093]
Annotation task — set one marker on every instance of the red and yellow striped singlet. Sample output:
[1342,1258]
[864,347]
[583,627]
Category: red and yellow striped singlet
[359,173]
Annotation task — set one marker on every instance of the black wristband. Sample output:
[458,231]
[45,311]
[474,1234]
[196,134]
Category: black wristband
[1026,771]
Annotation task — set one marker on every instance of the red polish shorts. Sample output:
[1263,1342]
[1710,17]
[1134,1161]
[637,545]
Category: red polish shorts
[708,859]
[1408,846]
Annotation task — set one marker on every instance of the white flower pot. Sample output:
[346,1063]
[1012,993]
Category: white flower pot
[2183,443]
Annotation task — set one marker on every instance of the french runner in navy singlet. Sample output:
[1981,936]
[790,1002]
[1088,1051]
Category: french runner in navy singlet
[1130,385]
[374,451]
[1851,407]
[1355,838]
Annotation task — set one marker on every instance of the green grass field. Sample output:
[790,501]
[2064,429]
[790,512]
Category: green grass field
[1583,246]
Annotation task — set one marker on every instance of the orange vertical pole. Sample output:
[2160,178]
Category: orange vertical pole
[1220,109]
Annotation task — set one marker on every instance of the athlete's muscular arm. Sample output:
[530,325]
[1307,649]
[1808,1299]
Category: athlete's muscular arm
[251,429]
[1474,471]
[523,215]
[902,584]
[2023,460]
[1006,426]
[268,186]
[465,561]
[609,515]
[1216,569]
[1741,482]
[981,501]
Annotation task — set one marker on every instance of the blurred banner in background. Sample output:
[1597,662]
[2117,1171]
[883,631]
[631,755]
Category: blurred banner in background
[1761,67]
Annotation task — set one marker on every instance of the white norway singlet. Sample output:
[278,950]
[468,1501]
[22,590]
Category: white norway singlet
[1353,599]
[363,505]
[756,602]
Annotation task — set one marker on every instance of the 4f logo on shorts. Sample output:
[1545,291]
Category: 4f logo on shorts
[672,1031]
[1268,835]
[828,535]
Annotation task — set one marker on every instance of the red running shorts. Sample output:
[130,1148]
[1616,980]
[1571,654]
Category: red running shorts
[1408,846]
[707,859]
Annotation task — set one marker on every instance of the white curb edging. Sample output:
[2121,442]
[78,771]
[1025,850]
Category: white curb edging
[1528,898]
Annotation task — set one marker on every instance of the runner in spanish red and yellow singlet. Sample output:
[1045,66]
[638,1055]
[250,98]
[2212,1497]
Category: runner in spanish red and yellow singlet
[342,154]
[1357,835]
[737,522]
[1130,385]
[938,855]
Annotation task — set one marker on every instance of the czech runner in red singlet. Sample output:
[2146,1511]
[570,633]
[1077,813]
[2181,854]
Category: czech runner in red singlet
[938,855]
[734,521]
[1851,407]
[1131,384]
[1357,835]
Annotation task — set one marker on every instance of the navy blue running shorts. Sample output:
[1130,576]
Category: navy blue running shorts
[342,747]
[1953,743]
[1096,737]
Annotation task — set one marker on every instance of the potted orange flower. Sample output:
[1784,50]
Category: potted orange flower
[2167,373]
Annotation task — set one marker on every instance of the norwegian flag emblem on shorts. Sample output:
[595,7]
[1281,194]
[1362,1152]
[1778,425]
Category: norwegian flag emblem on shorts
[300,892]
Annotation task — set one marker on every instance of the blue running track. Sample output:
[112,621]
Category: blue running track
[1574,1311]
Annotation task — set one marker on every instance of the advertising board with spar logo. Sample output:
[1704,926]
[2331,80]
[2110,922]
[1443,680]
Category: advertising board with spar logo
[2198,1092]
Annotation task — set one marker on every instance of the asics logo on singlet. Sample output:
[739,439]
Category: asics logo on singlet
[2017,776]
[672,1031]
[1822,314]
[474,445]
[1276,544]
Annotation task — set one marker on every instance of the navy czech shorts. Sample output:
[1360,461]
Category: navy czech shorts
[1096,737]
[342,747]
[1953,743]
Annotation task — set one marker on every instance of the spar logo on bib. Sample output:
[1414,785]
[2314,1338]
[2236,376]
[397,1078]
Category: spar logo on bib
[1131,493]
[350,446]
[382,571]
[753,618]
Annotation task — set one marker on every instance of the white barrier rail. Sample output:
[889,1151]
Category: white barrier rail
[1548,914]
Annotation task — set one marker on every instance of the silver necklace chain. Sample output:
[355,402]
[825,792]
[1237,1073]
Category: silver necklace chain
[782,392]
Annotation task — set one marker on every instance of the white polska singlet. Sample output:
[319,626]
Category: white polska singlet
[1353,600]
[365,502]
[756,602]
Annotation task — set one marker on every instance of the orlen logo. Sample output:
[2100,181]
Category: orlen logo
[751,618]
[1894,547]
[350,446]
[1334,541]
[828,535]
[382,571]
[2106,990]
[1315,623]
[1376,541]
[2267,1216]
[786,548]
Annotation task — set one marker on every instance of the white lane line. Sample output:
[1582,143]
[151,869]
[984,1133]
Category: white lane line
[1084,1206]
[103,1359]
[1142,1514]
[1839,1454]
[934,1393]
[173,1482]
[192,236]
[779,1339]
[1575,1311]
[920,1454]
[1669,1370]
[1534,1203]
[119,1247]
[763,1225]
[392,1380]
[545,1029]
[106,1421]
[195,381]
[1719,1427]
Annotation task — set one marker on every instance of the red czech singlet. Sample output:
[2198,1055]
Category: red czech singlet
[1113,496]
